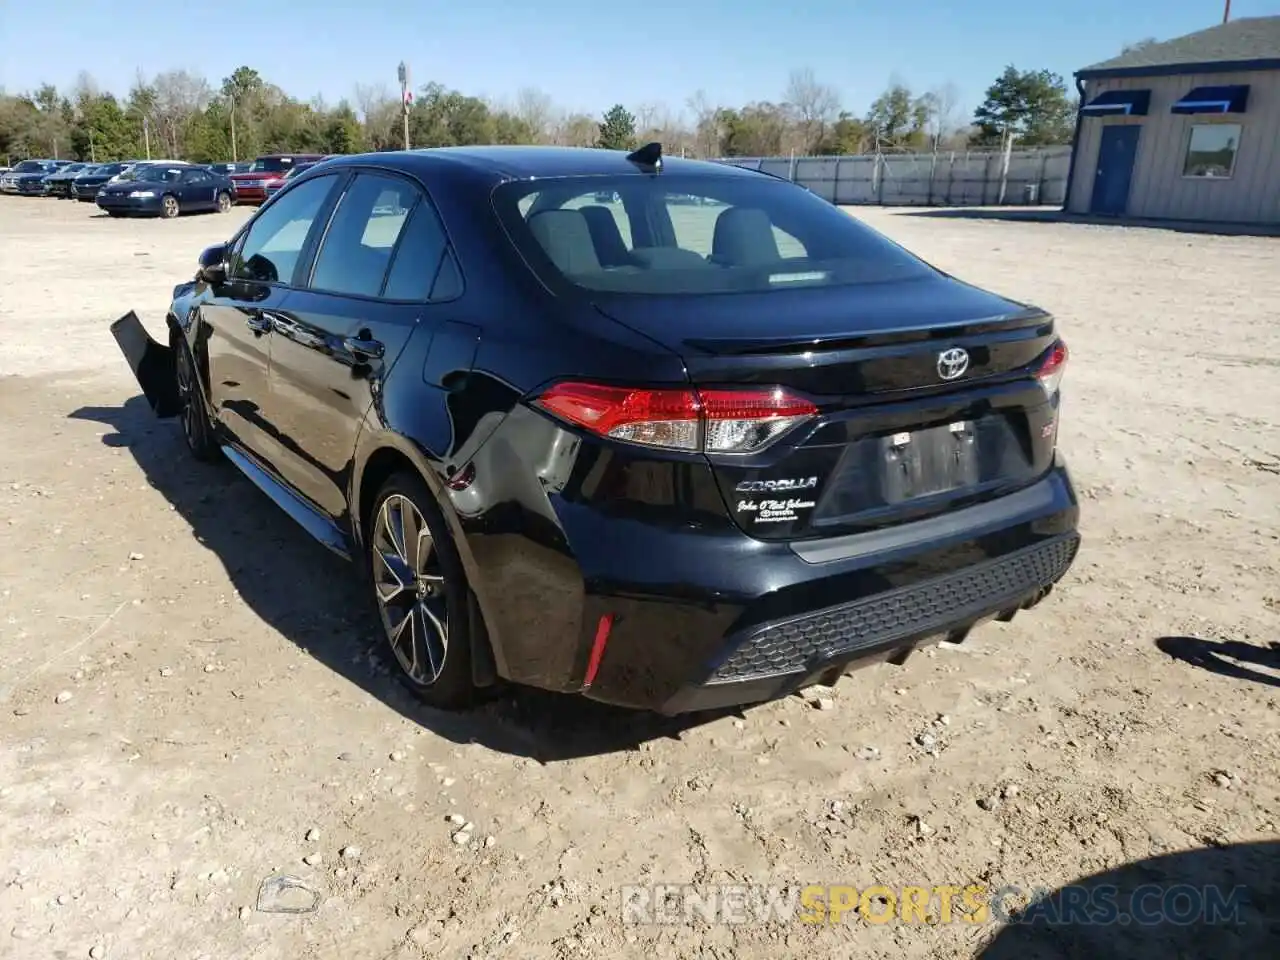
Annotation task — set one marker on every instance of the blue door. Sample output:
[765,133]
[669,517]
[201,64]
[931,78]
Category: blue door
[1116,153]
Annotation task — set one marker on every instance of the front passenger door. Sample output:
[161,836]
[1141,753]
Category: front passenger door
[234,320]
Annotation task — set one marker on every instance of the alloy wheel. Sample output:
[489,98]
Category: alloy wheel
[224,203]
[170,207]
[186,397]
[410,589]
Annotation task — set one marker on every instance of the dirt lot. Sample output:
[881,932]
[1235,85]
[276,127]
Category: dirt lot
[191,700]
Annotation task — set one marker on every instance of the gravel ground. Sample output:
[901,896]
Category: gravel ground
[192,699]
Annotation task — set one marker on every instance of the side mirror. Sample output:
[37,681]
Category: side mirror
[213,264]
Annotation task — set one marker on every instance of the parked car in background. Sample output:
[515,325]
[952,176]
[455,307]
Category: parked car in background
[226,169]
[251,186]
[27,177]
[668,455]
[273,186]
[58,184]
[86,185]
[166,190]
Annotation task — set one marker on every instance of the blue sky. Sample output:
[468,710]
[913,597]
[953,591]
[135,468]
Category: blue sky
[589,54]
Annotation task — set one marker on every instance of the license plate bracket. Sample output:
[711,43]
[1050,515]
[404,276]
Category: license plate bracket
[933,460]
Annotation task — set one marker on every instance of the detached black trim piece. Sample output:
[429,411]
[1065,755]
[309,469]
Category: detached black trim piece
[794,645]
[151,363]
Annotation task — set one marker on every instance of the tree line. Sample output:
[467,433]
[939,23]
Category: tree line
[180,115]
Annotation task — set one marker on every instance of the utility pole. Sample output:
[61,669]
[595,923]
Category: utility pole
[234,158]
[406,98]
[93,153]
[1226,12]
[146,135]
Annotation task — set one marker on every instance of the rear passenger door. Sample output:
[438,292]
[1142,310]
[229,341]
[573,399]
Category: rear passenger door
[374,273]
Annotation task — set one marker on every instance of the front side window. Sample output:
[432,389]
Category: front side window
[686,235]
[357,247]
[1211,150]
[270,249]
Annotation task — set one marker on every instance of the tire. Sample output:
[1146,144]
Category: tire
[197,429]
[225,203]
[169,207]
[420,593]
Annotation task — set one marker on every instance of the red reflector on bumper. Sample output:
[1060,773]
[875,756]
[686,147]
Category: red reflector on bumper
[597,648]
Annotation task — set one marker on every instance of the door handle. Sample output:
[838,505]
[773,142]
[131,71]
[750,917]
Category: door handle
[364,345]
[258,322]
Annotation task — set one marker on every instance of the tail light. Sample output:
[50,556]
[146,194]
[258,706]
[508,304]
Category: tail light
[714,421]
[1052,367]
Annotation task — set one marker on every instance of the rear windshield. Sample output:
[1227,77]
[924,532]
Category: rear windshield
[671,234]
[155,174]
[29,166]
[271,164]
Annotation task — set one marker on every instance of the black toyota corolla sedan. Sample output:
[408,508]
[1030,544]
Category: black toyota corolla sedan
[667,455]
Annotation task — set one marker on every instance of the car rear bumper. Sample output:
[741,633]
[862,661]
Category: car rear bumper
[693,614]
[779,657]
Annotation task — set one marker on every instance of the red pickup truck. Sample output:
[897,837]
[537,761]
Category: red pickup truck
[251,186]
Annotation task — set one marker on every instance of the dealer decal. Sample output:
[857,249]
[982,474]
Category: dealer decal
[774,511]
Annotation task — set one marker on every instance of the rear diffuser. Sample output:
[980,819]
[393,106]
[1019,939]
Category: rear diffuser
[151,362]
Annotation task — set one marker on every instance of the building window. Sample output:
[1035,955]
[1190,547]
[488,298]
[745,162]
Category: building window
[1211,150]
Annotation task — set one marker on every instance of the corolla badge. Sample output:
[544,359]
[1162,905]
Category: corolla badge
[785,484]
[953,363]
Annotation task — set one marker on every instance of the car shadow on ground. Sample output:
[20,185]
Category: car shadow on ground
[313,598]
[1056,215]
[1214,902]
[1228,658]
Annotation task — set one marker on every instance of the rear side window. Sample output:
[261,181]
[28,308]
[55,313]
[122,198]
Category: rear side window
[416,272]
[356,252]
[680,234]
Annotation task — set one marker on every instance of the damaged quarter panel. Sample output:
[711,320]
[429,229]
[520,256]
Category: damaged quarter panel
[454,409]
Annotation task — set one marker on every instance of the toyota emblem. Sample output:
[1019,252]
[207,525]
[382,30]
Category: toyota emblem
[953,363]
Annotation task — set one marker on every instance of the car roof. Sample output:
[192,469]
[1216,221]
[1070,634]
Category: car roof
[527,162]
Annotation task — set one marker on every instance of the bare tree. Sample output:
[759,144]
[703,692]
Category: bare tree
[575,130]
[647,116]
[941,105]
[815,105]
[179,95]
[380,113]
[86,88]
[536,110]
[708,131]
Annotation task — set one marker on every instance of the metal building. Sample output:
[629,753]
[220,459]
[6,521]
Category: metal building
[1188,129]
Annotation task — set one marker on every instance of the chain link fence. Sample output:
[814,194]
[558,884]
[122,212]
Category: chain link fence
[943,179]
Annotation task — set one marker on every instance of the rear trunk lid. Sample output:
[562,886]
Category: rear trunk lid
[925,388]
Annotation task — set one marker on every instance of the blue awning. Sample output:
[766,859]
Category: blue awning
[1119,103]
[1214,100]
